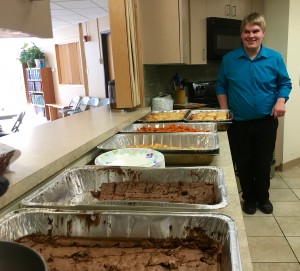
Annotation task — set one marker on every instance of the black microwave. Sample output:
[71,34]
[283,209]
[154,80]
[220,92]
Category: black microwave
[223,35]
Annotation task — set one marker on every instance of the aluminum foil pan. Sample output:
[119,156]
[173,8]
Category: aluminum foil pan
[222,124]
[165,116]
[180,148]
[111,224]
[72,189]
[208,126]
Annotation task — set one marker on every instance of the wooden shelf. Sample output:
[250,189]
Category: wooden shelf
[39,88]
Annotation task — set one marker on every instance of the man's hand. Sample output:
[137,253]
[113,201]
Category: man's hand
[279,108]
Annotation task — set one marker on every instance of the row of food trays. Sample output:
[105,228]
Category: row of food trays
[188,115]
[79,202]
[182,142]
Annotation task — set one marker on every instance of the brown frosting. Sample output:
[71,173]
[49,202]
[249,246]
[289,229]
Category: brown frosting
[66,253]
[177,192]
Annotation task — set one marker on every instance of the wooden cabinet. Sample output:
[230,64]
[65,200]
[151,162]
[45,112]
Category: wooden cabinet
[173,31]
[198,50]
[39,89]
[165,37]
[232,9]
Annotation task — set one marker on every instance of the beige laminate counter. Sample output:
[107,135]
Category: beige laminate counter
[51,147]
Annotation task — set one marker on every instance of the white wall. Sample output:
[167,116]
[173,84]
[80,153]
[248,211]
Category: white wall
[95,69]
[282,34]
[291,149]
[64,93]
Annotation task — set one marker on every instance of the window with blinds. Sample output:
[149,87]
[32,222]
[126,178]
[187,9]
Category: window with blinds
[69,63]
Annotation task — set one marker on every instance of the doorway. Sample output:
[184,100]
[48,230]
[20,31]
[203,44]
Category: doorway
[108,64]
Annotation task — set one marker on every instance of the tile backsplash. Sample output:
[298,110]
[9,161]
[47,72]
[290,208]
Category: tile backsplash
[158,78]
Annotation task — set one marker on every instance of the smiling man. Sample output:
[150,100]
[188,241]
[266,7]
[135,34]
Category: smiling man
[254,85]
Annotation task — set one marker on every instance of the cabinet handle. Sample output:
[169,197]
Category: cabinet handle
[203,54]
[233,11]
[185,52]
[227,10]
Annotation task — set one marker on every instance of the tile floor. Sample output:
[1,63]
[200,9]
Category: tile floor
[274,240]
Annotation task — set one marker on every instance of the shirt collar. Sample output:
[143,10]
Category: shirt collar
[262,53]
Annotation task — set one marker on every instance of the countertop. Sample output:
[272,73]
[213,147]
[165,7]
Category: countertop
[51,147]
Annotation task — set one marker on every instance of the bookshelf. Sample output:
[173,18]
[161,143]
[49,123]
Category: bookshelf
[39,89]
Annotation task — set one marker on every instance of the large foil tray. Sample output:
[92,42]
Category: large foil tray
[222,125]
[184,112]
[192,148]
[72,189]
[110,224]
[209,126]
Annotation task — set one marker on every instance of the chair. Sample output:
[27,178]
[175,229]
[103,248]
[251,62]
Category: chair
[16,126]
[94,102]
[72,105]
[82,106]
[103,101]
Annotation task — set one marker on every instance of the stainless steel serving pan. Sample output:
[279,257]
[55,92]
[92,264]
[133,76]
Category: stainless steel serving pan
[209,126]
[184,112]
[72,189]
[183,148]
[110,224]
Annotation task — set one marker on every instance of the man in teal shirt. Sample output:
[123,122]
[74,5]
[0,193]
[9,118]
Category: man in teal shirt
[254,85]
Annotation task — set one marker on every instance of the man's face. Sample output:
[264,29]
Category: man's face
[252,37]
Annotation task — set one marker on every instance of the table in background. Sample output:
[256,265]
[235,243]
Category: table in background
[53,110]
[5,116]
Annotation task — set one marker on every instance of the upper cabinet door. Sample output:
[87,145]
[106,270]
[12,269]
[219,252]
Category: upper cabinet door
[164,31]
[240,8]
[198,51]
[218,8]
[231,9]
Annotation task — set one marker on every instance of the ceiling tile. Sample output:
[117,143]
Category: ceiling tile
[66,13]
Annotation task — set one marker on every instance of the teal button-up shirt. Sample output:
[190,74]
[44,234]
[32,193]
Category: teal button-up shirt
[253,86]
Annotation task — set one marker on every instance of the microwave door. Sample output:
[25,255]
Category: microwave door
[225,40]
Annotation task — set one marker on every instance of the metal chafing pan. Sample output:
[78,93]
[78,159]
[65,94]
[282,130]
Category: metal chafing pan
[72,189]
[191,148]
[184,112]
[208,126]
[110,224]
[222,125]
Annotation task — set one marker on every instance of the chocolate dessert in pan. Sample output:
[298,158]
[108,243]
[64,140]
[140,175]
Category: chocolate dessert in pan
[133,188]
[108,240]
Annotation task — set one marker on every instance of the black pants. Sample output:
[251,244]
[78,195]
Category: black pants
[252,146]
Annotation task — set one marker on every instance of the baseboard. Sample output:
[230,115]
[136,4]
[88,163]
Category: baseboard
[287,165]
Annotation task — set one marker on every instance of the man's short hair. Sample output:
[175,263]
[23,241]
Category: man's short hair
[254,19]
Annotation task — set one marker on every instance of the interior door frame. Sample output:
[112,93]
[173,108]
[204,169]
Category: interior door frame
[105,53]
